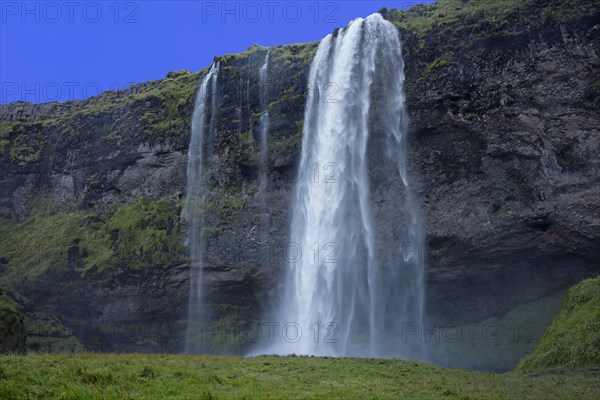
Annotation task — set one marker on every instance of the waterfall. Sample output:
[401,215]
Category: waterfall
[354,284]
[192,211]
[263,138]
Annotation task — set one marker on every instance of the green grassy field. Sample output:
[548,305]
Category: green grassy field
[141,376]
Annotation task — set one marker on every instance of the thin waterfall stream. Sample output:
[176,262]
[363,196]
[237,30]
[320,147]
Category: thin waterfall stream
[192,212]
[263,75]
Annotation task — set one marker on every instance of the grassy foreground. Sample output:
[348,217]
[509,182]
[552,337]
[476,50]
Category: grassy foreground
[159,376]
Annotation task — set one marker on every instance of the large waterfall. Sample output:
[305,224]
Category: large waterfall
[354,285]
[192,211]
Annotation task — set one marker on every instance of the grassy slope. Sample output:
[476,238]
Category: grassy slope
[573,339]
[95,376]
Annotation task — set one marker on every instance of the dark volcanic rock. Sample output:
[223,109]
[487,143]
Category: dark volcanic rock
[505,147]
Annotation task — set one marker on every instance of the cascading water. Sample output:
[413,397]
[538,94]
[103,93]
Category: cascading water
[355,279]
[263,138]
[192,212]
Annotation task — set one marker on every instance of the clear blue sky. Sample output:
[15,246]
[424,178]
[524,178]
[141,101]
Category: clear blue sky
[63,50]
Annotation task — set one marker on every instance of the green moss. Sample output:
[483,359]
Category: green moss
[499,210]
[94,179]
[12,329]
[5,130]
[443,61]
[6,304]
[245,149]
[303,52]
[420,19]
[566,11]
[145,234]
[228,58]
[209,230]
[24,141]
[163,108]
[225,202]
[573,339]
[39,243]
[48,334]
[288,144]
[176,99]
[139,235]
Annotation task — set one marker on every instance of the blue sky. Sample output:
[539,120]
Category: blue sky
[64,50]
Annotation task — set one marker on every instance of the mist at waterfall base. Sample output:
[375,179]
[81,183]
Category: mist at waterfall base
[354,292]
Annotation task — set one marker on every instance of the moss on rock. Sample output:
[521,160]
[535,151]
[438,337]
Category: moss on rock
[12,326]
[142,234]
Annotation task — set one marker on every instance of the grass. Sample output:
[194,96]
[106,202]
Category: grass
[573,338]
[160,376]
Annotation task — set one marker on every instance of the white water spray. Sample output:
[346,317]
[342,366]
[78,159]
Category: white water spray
[354,285]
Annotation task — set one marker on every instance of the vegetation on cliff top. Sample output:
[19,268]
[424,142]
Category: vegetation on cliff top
[170,99]
[422,18]
[573,339]
[450,32]
[476,15]
[151,111]
[105,376]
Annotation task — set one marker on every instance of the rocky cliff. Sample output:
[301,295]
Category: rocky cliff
[504,110]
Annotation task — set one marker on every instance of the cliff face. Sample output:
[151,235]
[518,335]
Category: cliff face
[504,150]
